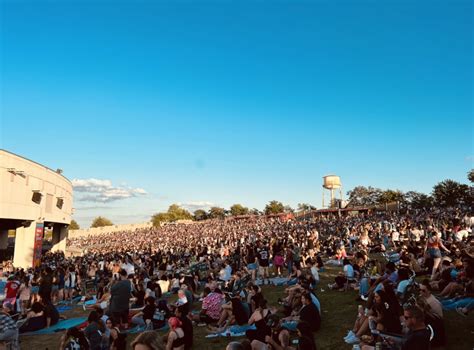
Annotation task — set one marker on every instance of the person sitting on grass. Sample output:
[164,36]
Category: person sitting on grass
[74,338]
[344,277]
[187,326]
[8,327]
[145,317]
[279,338]
[259,318]
[233,312]
[308,313]
[35,319]
[95,331]
[305,336]
[175,338]
[211,308]
[361,327]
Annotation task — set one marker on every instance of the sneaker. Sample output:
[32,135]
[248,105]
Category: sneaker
[353,340]
[349,335]
[460,311]
[364,298]
[202,324]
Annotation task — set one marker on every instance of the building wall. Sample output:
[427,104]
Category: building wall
[107,229]
[19,178]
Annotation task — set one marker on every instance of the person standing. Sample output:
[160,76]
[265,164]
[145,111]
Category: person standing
[120,299]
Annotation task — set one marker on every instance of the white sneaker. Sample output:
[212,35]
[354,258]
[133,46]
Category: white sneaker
[353,340]
[349,335]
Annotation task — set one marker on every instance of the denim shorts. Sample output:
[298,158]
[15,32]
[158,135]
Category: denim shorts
[435,253]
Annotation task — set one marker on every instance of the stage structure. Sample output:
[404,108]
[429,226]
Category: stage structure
[32,198]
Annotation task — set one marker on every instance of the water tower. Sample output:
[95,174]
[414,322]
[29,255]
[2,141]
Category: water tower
[332,183]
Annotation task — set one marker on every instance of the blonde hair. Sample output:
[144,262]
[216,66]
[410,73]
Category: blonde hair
[150,339]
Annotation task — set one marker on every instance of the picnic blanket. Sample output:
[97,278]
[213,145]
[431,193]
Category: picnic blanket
[233,331]
[63,308]
[139,329]
[60,326]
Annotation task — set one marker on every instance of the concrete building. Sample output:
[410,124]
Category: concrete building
[32,197]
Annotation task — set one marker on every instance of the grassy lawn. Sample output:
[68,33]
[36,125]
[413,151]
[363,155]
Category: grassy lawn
[339,312]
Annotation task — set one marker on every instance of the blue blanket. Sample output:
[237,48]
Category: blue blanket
[62,308]
[139,329]
[60,326]
[232,331]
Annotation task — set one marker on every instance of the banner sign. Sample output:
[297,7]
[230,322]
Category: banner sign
[38,248]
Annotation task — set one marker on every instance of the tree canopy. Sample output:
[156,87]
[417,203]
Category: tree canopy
[200,214]
[449,193]
[174,213]
[217,213]
[101,222]
[274,207]
[238,209]
[74,225]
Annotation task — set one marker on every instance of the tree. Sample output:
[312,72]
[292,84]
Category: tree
[200,214]
[470,176]
[176,213]
[449,193]
[74,225]
[238,209]
[364,196]
[305,207]
[417,200]
[288,209]
[101,222]
[159,218]
[255,211]
[217,213]
[389,196]
[274,207]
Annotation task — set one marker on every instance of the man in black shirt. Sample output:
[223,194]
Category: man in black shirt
[50,313]
[309,313]
[418,338]
[263,262]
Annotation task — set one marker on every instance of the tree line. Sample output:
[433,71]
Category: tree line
[447,193]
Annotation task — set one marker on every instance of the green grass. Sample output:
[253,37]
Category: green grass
[339,312]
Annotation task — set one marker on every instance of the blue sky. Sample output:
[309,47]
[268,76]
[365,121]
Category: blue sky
[228,102]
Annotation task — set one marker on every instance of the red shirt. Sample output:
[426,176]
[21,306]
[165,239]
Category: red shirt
[11,289]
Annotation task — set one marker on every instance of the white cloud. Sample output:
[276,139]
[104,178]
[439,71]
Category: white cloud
[102,191]
[192,206]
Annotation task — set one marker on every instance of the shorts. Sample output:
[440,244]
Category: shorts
[252,266]
[434,253]
[35,289]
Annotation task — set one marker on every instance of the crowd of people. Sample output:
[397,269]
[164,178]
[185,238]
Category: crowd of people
[211,274]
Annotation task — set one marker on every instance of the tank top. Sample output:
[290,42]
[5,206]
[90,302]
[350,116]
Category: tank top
[433,242]
[178,341]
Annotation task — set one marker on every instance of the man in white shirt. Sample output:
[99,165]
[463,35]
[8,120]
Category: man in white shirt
[462,234]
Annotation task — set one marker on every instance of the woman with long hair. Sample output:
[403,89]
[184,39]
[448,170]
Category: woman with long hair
[433,245]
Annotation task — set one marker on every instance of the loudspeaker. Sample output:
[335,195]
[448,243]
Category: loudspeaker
[36,197]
